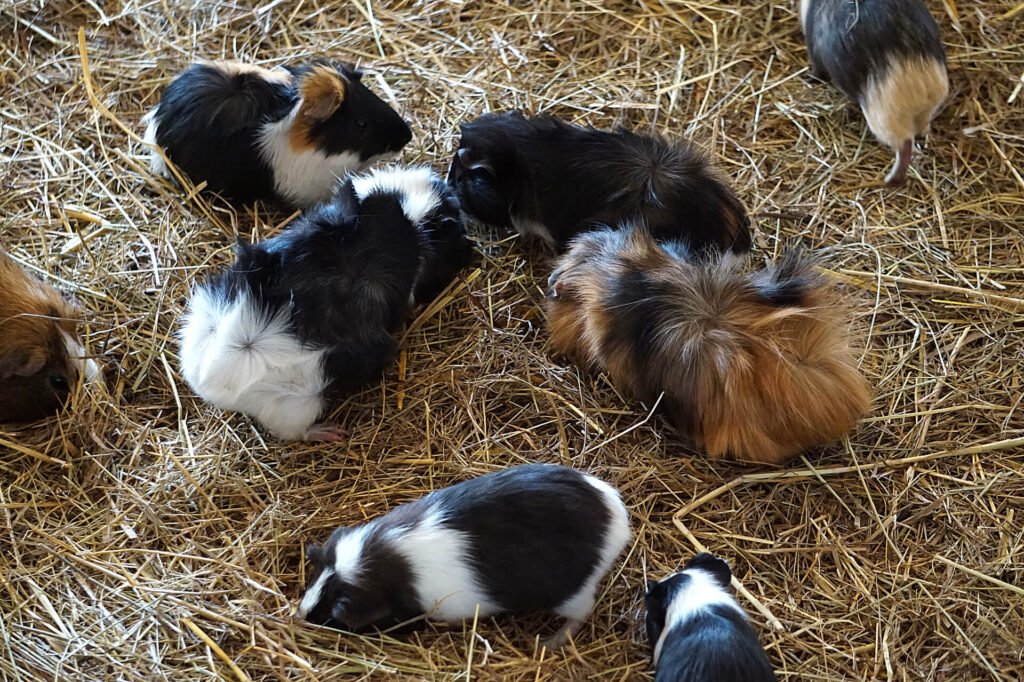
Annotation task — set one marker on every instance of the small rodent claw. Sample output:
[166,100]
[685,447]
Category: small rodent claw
[331,433]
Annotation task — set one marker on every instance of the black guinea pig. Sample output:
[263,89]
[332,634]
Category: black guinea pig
[698,631]
[312,312]
[536,537]
[287,133]
[41,355]
[887,55]
[552,179]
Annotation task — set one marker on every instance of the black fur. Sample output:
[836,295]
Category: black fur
[537,532]
[345,270]
[209,123]
[848,42]
[536,535]
[788,283]
[446,247]
[716,644]
[571,179]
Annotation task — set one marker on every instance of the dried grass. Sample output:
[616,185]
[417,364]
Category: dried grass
[154,537]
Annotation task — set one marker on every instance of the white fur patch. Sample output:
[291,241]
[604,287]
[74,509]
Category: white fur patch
[312,595]
[700,593]
[303,177]
[579,606]
[156,161]
[900,105]
[348,552]
[532,227]
[76,352]
[237,358]
[445,583]
[805,5]
[415,184]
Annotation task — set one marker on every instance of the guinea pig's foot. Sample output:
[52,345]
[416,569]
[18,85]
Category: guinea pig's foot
[561,638]
[326,432]
[556,284]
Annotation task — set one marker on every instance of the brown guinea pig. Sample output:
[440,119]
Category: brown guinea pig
[41,356]
[753,366]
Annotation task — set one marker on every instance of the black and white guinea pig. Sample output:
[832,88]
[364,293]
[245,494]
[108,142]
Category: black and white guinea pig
[287,133]
[888,56]
[552,179]
[312,312]
[41,354]
[536,537]
[698,631]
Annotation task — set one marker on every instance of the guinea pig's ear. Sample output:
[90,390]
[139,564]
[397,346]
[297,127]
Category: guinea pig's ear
[471,161]
[322,90]
[718,568]
[22,362]
[315,554]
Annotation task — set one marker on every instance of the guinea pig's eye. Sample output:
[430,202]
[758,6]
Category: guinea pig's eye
[361,123]
[59,383]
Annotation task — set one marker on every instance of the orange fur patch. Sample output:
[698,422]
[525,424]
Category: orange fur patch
[322,91]
[742,377]
[32,315]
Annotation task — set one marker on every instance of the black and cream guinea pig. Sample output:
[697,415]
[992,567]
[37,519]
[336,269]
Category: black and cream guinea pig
[755,366]
[41,354]
[698,631]
[887,55]
[536,537]
[552,179]
[312,312]
[287,133]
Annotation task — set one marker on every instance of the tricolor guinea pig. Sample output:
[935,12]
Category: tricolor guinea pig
[41,356]
[756,366]
[552,179]
[698,631]
[312,312]
[536,537]
[888,56]
[287,133]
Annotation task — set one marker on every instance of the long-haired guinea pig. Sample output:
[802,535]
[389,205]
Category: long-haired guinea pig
[698,631]
[311,313]
[287,133]
[552,179]
[536,537]
[41,356]
[886,55]
[754,366]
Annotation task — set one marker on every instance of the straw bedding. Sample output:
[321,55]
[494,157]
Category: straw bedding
[150,536]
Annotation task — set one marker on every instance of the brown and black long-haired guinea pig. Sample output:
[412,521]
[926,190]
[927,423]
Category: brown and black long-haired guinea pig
[552,179]
[41,356]
[286,133]
[754,366]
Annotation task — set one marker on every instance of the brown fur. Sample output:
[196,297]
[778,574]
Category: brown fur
[32,348]
[745,376]
[233,68]
[322,90]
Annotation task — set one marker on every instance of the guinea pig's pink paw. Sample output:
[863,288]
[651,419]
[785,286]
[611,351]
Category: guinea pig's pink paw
[331,433]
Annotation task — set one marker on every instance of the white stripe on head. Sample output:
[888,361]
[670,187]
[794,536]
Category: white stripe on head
[89,369]
[348,553]
[312,595]
[699,593]
[414,184]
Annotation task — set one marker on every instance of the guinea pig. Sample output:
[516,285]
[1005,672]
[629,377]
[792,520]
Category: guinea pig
[312,312]
[751,365]
[536,537]
[41,356]
[286,133]
[698,631]
[888,56]
[551,179]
